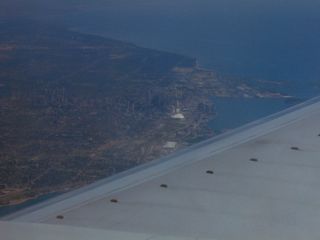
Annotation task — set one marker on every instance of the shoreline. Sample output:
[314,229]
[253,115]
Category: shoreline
[6,210]
[173,161]
[94,137]
[206,120]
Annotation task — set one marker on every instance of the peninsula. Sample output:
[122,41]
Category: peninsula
[75,108]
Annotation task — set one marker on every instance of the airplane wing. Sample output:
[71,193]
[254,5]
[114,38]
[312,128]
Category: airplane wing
[260,181]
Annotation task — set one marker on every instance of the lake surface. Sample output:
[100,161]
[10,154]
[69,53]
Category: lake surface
[235,112]
[14,208]
[274,40]
[256,40]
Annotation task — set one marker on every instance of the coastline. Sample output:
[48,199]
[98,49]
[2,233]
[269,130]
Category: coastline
[9,209]
[180,87]
[212,122]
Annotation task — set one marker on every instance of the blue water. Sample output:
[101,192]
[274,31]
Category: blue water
[273,40]
[276,40]
[235,112]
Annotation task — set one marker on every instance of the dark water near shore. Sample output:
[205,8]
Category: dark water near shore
[13,208]
[235,112]
[256,40]
[275,40]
